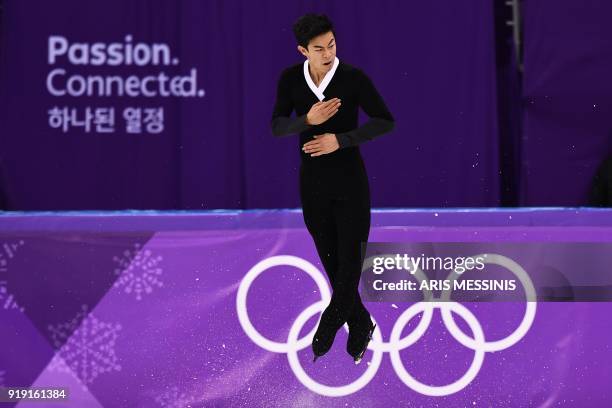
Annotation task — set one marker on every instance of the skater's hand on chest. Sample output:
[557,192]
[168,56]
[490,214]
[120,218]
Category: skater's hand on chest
[321,111]
[323,144]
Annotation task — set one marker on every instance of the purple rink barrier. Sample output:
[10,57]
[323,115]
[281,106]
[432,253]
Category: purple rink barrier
[147,309]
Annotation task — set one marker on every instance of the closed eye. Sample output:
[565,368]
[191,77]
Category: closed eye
[330,47]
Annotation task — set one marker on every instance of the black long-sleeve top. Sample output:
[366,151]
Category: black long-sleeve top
[355,90]
[601,187]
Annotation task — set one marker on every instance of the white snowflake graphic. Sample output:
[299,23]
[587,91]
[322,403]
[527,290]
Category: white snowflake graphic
[174,398]
[87,347]
[138,271]
[7,251]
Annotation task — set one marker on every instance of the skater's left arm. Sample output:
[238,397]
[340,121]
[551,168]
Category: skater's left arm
[380,119]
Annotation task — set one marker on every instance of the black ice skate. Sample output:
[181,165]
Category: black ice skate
[324,336]
[358,341]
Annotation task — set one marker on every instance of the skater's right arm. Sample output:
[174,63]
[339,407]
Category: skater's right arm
[283,124]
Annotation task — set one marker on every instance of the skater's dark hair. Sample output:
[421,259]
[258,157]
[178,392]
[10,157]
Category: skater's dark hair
[311,25]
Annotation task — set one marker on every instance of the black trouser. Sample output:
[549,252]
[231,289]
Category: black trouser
[336,209]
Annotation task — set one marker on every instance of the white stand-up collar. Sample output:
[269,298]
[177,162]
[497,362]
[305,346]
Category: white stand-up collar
[318,91]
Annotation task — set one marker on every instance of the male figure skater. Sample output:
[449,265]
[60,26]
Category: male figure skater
[334,190]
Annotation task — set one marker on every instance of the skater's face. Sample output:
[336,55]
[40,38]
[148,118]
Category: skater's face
[321,52]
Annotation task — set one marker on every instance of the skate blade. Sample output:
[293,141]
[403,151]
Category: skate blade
[358,358]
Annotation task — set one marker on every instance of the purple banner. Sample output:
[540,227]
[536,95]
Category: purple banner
[567,105]
[223,315]
[115,105]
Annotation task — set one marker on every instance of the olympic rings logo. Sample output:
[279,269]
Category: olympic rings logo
[395,344]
